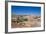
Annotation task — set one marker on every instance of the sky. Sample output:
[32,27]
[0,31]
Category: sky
[26,10]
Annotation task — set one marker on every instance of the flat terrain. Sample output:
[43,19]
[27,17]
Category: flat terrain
[32,21]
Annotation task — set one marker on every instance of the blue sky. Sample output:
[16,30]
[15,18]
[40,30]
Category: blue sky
[25,10]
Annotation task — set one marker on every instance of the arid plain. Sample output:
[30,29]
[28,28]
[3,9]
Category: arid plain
[24,21]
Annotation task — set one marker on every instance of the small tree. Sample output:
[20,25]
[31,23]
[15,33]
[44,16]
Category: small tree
[25,19]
